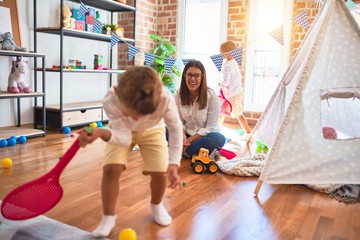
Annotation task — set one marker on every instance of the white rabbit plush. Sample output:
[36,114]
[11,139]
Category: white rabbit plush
[16,81]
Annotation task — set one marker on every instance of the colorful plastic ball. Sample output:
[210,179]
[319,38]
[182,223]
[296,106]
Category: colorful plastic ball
[13,137]
[3,143]
[6,163]
[11,141]
[127,234]
[22,139]
[93,124]
[66,130]
[99,124]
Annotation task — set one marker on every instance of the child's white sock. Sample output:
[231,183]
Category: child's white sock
[105,226]
[160,214]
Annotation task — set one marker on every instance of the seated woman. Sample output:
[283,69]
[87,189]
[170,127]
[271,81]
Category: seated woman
[199,111]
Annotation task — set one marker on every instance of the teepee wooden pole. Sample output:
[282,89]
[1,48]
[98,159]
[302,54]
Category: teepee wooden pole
[257,188]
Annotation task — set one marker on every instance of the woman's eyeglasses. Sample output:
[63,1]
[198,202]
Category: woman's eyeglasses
[196,75]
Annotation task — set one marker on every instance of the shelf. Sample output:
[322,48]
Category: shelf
[19,54]
[108,5]
[69,107]
[6,132]
[7,95]
[82,70]
[80,34]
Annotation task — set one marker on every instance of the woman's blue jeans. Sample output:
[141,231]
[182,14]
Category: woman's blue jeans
[213,140]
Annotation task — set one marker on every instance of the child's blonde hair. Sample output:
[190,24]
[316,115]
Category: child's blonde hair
[227,46]
[139,88]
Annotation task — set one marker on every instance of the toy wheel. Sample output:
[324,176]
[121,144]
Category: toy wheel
[198,167]
[212,167]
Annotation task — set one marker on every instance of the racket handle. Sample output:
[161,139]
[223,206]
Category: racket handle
[89,130]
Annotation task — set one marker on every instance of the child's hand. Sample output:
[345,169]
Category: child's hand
[174,179]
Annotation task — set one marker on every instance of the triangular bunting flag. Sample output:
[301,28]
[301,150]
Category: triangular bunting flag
[132,51]
[217,60]
[350,4]
[185,61]
[169,62]
[114,39]
[82,10]
[278,35]
[302,19]
[149,58]
[97,25]
[237,55]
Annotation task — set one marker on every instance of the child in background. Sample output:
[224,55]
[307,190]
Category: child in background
[138,109]
[231,85]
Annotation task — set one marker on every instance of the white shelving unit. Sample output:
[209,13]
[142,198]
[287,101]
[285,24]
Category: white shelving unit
[72,114]
[19,129]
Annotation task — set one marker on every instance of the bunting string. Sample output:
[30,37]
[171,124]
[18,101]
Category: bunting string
[277,34]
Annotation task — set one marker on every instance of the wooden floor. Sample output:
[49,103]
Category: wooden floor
[209,207]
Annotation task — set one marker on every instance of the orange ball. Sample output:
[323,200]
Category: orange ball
[6,163]
[127,234]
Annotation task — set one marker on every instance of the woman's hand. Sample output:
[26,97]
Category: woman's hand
[174,179]
[185,144]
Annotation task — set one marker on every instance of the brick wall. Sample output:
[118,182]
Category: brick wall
[298,32]
[152,17]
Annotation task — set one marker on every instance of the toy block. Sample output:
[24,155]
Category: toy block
[79,25]
[89,27]
[75,15]
[92,12]
[89,20]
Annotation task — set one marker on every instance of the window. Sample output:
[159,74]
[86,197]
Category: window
[202,28]
[266,59]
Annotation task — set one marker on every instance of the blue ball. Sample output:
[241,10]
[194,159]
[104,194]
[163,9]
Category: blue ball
[3,143]
[13,137]
[99,124]
[11,141]
[66,130]
[21,139]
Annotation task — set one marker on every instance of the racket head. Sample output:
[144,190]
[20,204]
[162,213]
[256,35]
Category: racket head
[40,195]
[32,199]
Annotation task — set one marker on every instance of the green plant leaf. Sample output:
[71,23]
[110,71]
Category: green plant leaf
[164,49]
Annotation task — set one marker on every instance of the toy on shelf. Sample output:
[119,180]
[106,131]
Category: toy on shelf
[73,64]
[16,83]
[7,43]
[119,31]
[203,160]
[67,20]
[261,148]
[98,60]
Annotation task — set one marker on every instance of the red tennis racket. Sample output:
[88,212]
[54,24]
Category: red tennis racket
[40,195]
[225,105]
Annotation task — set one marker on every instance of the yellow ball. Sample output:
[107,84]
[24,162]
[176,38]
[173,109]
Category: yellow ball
[127,234]
[6,163]
[93,124]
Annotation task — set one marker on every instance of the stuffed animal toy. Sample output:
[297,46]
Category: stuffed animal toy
[7,43]
[16,82]
[68,21]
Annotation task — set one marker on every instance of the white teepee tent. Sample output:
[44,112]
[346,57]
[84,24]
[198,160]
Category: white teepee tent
[321,88]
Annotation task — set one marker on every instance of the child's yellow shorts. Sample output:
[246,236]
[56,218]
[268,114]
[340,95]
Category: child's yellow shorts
[153,149]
